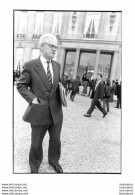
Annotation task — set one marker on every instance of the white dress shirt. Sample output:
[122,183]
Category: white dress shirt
[97,84]
[45,64]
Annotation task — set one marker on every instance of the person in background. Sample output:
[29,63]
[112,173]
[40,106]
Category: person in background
[75,87]
[69,85]
[92,91]
[113,88]
[116,83]
[85,84]
[64,82]
[39,86]
[107,93]
[119,96]
[98,97]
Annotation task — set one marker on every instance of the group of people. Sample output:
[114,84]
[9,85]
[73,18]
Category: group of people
[38,84]
[102,91]
[71,86]
[16,76]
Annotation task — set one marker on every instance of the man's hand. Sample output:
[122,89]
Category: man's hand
[35,101]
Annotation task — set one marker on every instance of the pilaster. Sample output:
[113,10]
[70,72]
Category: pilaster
[114,66]
[62,59]
[76,63]
[96,64]
[102,25]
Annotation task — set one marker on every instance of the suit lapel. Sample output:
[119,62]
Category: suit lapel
[40,70]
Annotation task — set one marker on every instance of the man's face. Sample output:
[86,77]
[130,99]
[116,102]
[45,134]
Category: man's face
[98,77]
[48,50]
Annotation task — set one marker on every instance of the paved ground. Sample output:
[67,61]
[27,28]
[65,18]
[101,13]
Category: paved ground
[89,145]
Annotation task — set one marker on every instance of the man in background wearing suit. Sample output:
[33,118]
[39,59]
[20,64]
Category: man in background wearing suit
[98,97]
[38,85]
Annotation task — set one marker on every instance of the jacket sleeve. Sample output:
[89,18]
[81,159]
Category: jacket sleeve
[24,83]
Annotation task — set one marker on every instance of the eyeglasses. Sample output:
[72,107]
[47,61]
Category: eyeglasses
[52,46]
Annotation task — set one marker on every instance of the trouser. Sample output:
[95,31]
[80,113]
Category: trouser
[106,103]
[72,95]
[118,102]
[95,103]
[36,150]
[111,97]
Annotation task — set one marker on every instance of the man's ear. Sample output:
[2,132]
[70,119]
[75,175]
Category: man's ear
[41,46]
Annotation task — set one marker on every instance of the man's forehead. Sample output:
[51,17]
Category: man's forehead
[48,38]
[51,41]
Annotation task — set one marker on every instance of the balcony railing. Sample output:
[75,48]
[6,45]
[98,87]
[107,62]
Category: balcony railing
[20,35]
[36,35]
[91,36]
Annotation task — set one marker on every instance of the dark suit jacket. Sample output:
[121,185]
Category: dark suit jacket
[99,92]
[33,83]
[75,85]
[119,91]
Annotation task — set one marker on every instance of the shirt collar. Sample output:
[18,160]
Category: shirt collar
[44,60]
[97,83]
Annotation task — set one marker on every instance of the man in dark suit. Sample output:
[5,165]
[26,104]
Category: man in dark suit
[75,87]
[119,95]
[98,97]
[38,84]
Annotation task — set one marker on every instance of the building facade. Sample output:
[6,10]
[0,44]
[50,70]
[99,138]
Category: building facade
[87,40]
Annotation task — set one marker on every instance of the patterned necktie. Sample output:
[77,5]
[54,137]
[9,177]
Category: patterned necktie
[49,75]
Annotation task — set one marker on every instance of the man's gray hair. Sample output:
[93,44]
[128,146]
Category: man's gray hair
[48,38]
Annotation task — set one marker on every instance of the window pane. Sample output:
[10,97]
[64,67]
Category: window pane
[70,62]
[91,24]
[104,65]
[87,60]
[21,23]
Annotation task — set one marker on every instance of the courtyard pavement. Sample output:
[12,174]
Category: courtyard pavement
[89,145]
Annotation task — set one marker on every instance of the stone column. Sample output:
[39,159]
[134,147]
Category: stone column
[96,64]
[31,24]
[26,54]
[102,25]
[118,70]
[114,66]
[62,59]
[76,63]
[48,22]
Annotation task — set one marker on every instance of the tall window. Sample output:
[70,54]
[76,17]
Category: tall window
[104,65]
[39,24]
[69,63]
[18,58]
[87,60]
[91,24]
[20,23]
[35,53]
[57,23]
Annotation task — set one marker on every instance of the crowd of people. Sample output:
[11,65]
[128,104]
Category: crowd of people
[108,91]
